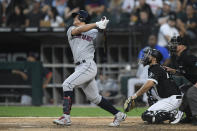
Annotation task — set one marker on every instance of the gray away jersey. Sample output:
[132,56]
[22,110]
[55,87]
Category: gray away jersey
[82,45]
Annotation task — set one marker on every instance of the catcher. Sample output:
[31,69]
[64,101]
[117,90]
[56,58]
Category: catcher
[168,95]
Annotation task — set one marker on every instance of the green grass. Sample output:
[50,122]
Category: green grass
[22,111]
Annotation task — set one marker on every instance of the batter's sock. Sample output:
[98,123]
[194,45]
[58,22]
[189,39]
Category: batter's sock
[107,106]
[67,104]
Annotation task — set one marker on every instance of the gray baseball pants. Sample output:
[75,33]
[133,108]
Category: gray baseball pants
[84,77]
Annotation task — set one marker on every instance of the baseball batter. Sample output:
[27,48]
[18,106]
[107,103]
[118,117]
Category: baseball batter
[82,38]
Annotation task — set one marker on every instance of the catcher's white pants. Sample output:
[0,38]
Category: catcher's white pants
[166,104]
[131,87]
[84,77]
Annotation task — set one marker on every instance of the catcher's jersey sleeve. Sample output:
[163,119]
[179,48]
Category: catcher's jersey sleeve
[153,76]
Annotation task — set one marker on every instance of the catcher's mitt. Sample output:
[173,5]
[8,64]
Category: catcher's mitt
[129,104]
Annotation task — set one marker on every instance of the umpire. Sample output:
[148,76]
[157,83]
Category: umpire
[187,66]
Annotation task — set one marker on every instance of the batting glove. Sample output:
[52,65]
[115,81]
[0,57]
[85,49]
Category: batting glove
[102,24]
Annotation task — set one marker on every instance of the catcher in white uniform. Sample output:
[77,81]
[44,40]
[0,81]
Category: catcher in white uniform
[166,91]
[82,38]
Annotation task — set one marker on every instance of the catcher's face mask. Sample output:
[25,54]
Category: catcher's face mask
[146,57]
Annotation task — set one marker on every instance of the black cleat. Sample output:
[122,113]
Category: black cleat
[186,120]
[194,120]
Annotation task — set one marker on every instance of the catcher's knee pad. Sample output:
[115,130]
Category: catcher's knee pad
[148,116]
[96,100]
[67,87]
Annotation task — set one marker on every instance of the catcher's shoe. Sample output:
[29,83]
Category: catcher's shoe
[119,117]
[178,117]
[63,120]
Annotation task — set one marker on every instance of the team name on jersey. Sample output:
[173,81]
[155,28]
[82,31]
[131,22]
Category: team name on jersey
[84,37]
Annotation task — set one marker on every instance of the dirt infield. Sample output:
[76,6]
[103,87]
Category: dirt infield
[86,124]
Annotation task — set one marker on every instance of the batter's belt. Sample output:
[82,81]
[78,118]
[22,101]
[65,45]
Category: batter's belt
[80,62]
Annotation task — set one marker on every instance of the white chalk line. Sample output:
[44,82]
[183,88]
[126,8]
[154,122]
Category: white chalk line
[71,117]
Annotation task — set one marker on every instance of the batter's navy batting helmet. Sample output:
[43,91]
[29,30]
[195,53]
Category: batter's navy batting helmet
[83,16]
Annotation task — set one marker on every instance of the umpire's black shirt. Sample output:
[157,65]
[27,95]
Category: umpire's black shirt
[165,85]
[187,65]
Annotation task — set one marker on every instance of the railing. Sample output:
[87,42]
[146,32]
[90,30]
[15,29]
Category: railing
[123,47]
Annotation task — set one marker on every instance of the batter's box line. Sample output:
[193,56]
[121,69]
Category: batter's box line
[71,117]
